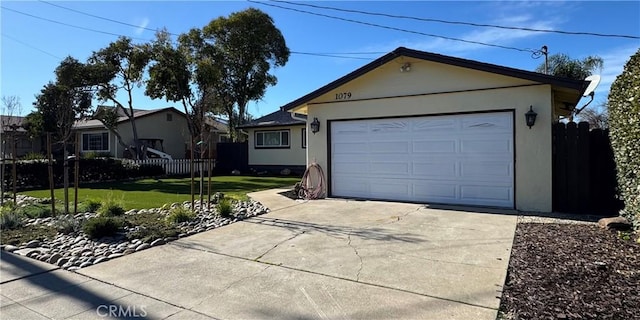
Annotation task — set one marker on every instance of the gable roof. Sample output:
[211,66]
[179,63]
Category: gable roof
[578,85]
[278,118]
[137,113]
[8,121]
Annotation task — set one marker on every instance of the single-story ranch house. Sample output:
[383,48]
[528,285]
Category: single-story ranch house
[423,127]
[277,141]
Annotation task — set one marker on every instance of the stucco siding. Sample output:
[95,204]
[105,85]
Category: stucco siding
[174,133]
[532,146]
[295,155]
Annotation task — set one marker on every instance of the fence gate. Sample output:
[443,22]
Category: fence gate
[232,156]
[584,174]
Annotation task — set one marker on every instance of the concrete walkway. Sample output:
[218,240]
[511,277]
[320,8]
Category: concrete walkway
[325,259]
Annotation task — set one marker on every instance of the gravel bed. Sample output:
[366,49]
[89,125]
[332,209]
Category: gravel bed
[76,250]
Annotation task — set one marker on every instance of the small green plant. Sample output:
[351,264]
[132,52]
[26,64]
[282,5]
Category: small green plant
[110,208]
[34,211]
[89,205]
[180,214]
[100,226]
[33,156]
[224,207]
[67,224]
[10,219]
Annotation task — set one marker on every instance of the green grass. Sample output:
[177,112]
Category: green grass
[153,193]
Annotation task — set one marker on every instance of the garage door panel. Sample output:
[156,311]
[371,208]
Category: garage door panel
[486,195]
[442,169]
[399,168]
[426,125]
[351,167]
[436,192]
[389,189]
[457,159]
[398,146]
[350,186]
[431,146]
[496,170]
[476,146]
[347,148]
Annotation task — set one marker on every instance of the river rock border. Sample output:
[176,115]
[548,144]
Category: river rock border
[76,250]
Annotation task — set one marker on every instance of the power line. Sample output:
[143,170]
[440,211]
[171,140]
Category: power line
[70,25]
[102,18]
[330,55]
[393,28]
[30,46]
[460,22]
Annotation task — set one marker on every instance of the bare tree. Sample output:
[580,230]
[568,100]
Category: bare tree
[598,118]
[11,108]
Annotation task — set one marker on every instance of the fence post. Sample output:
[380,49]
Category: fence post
[582,182]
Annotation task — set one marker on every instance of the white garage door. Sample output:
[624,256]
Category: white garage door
[453,159]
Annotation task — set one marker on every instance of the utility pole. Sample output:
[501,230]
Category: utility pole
[545,51]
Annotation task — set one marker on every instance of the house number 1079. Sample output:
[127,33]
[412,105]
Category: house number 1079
[343,95]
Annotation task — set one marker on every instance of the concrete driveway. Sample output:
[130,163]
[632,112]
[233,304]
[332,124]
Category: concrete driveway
[326,259]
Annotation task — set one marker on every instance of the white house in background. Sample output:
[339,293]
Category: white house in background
[276,142]
[423,127]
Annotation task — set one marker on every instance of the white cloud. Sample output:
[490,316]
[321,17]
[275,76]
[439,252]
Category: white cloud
[614,61]
[142,26]
[502,37]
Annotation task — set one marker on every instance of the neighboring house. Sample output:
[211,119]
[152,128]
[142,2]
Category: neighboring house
[423,127]
[162,129]
[277,142]
[24,144]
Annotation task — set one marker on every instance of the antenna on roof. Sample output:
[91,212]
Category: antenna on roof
[594,81]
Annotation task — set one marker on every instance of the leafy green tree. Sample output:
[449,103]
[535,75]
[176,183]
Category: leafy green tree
[561,65]
[624,132]
[60,104]
[171,75]
[232,57]
[120,65]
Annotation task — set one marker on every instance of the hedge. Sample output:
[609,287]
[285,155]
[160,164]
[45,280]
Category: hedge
[34,174]
[624,132]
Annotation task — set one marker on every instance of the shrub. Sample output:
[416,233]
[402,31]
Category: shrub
[10,218]
[34,156]
[110,208]
[180,214]
[624,132]
[99,227]
[67,224]
[36,211]
[89,205]
[224,207]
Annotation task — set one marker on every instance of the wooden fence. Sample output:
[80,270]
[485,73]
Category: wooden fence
[584,172]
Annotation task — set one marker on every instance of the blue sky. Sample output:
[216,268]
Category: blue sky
[32,48]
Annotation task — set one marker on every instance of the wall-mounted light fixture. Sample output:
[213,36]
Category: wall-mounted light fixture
[530,117]
[406,67]
[315,125]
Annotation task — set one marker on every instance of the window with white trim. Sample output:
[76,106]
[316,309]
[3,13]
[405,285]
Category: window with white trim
[95,141]
[272,139]
[304,138]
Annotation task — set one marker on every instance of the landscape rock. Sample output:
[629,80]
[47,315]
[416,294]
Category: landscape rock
[615,223]
[10,248]
[32,244]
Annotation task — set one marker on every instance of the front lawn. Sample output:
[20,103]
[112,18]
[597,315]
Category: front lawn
[153,193]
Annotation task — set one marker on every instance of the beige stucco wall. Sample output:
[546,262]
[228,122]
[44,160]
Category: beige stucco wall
[175,133]
[295,155]
[533,177]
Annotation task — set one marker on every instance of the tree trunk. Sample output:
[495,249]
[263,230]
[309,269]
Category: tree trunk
[66,177]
